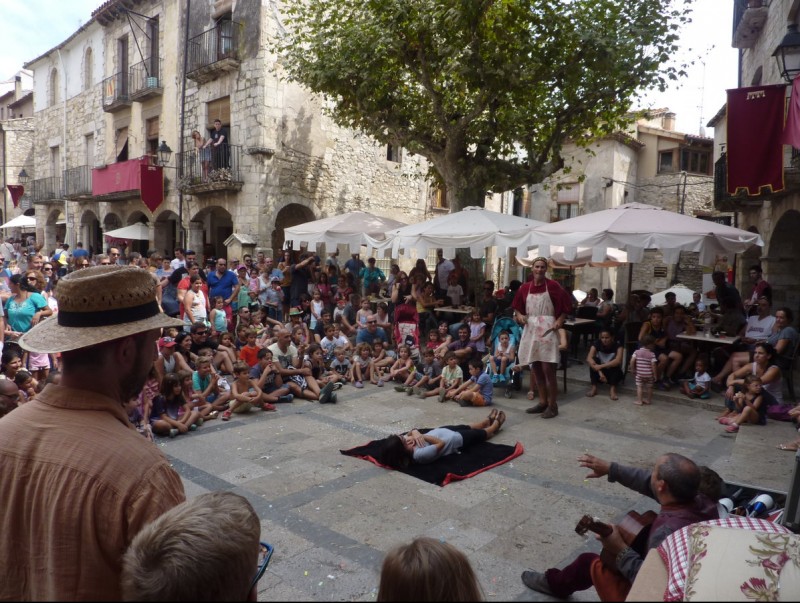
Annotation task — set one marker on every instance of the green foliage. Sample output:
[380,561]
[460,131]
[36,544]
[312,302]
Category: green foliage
[487,90]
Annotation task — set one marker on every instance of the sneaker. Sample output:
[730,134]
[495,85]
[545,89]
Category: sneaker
[537,581]
[358,384]
[337,385]
[380,382]
[325,393]
[400,388]
[442,394]
[333,399]
[502,378]
[213,414]
[226,416]
[418,391]
[192,427]
[173,432]
[285,398]
[495,378]
[268,406]
[421,395]
[409,391]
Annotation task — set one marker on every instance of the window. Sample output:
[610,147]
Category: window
[151,136]
[568,197]
[121,144]
[517,202]
[566,210]
[665,162]
[152,34]
[124,65]
[54,96]
[695,161]
[88,149]
[218,109]
[88,69]
[438,196]
[392,153]
[55,161]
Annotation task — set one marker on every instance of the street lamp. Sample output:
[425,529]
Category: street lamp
[788,53]
[23,177]
[164,153]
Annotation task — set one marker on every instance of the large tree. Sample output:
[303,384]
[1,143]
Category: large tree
[487,90]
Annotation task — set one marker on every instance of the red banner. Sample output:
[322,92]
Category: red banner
[152,179]
[755,131]
[16,190]
[118,177]
[791,131]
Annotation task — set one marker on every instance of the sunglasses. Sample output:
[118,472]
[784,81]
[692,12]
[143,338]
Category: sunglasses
[201,333]
[47,269]
[30,278]
[105,263]
[264,555]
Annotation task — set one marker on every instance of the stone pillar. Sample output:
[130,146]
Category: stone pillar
[194,238]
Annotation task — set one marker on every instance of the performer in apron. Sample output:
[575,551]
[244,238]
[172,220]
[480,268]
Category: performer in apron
[542,306]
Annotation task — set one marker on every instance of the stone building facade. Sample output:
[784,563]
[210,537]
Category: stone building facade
[121,92]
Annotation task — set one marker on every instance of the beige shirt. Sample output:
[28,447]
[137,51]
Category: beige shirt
[77,482]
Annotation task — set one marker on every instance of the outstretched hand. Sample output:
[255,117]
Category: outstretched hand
[598,466]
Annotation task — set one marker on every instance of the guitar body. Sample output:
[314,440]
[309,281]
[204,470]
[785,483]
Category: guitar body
[633,528]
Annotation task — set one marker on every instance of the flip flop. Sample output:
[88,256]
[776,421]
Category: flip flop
[790,447]
[531,395]
[501,418]
[493,415]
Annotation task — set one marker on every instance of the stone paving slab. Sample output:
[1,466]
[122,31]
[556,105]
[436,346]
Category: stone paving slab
[332,517]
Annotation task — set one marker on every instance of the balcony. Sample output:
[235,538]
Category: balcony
[119,181]
[47,190]
[116,96]
[214,52]
[145,80]
[78,183]
[723,201]
[220,172]
[749,20]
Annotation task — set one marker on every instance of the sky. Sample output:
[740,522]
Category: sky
[30,28]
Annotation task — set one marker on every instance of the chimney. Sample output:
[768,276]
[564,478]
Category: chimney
[17,87]
[668,121]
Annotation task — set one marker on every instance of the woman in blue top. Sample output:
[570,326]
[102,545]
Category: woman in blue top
[399,451]
[26,307]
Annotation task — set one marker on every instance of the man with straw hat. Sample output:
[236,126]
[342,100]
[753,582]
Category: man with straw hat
[77,481]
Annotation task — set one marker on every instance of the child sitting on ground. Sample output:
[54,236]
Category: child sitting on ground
[401,368]
[341,367]
[364,367]
[137,418]
[643,367]
[205,386]
[434,340]
[267,378]
[746,407]
[244,393]
[171,414]
[700,386]
[382,360]
[204,409]
[427,374]
[478,389]
[451,378]
[249,352]
[502,357]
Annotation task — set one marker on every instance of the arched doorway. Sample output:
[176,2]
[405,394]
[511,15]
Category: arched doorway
[166,225]
[208,230]
[90,233]
[110,222]
[139,246]
[290,215]
[783,257]
[54,230]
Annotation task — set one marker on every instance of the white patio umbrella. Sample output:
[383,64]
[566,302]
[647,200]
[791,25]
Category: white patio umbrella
[683,296]
[20,222]
[473,227]
[614,257]
[138,232]
[351,228]
[635,227]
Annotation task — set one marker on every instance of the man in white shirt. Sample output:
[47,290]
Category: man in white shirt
[443,269]
[7,252]
[179,261]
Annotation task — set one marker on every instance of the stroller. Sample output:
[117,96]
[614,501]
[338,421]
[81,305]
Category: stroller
[406,328]
[506,323]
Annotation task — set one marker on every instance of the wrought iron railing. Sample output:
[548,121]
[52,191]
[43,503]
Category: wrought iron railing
[206,166]
[116,89]
[146,75]
[215,44]
[78,181]
[47,189]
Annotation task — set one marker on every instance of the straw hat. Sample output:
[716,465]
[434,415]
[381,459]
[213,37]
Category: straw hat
[98,304]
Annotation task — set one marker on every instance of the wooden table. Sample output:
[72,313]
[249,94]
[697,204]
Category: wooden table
[455,309]
[707,344]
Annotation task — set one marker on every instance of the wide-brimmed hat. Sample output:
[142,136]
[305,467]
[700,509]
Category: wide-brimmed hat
[295,311]
[98,304]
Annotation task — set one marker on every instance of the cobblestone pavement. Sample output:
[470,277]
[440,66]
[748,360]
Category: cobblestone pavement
[332,517]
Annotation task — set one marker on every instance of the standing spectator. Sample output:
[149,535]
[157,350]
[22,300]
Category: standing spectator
[219,142]
[225,283]
[725,291]
[85,507]
[442,273]
[7,251]
[179,261]
[371,278]
[354,266]
[761,288]
[80,252]
[301,277]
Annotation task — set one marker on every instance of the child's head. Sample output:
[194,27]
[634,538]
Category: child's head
[451,359]
[443,329]
[649,342]
[364,350]
[219,302]
[751,382]
[330,331]
[428,355]
[606,337]
[205,353]
[226,338]
[184,377]
[404,351]
[316,295]
[264,356]
[241,332]
[339,352]
[250,336]
[171,332]
[475,366]
[241,370]
[433,335]
[383,308]
[700,365]
[23,379]
[476,316]
[504,337]
[132,404]
[365,304]
[203,366]
[171,385]
[428,569]
[452,278]
[377,348]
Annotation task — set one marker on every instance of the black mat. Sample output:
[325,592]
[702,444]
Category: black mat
[453,467]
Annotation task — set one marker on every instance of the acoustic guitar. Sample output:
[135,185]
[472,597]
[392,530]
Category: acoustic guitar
[633,528]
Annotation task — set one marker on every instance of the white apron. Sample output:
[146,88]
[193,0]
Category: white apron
[535,346]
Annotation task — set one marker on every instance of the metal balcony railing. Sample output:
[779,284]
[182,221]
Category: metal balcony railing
[210,169]
[217,44]
[145,78]
[47,189]
[78,182]
[116,91]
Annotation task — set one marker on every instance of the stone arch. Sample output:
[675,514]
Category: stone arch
[88,68]
[289,215]
[54,232]
[208,229]
[782,257]
[165,240]
[90,233]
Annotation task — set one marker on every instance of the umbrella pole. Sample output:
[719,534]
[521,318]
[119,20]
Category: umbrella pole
[630,280]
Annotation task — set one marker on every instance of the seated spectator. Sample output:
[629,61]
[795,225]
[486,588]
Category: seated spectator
[463,348]
[267,378]
[605,364]
[371,332]
[177,556]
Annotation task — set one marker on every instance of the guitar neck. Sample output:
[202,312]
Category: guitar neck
[592,525]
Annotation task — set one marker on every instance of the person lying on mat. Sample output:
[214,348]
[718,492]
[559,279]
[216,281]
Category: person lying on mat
[398,451]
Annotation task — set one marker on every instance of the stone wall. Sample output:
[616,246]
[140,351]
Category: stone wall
[19,134]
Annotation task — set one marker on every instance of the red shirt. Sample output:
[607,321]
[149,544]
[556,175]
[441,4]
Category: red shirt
[249,355]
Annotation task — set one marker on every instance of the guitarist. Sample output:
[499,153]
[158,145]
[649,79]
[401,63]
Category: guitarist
[674,483]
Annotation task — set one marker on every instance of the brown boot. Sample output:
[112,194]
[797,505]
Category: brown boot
[552,411]
[535,410]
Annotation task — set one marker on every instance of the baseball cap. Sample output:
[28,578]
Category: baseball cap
[242,267]
[166,342]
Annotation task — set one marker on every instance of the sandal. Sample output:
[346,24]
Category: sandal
[531,395]
[500,418]
[493,415]
[791,446]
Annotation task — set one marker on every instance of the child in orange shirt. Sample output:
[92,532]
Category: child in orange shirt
[249,352]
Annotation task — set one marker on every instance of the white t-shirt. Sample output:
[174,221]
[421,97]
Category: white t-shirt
[176,263]
[759,328]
